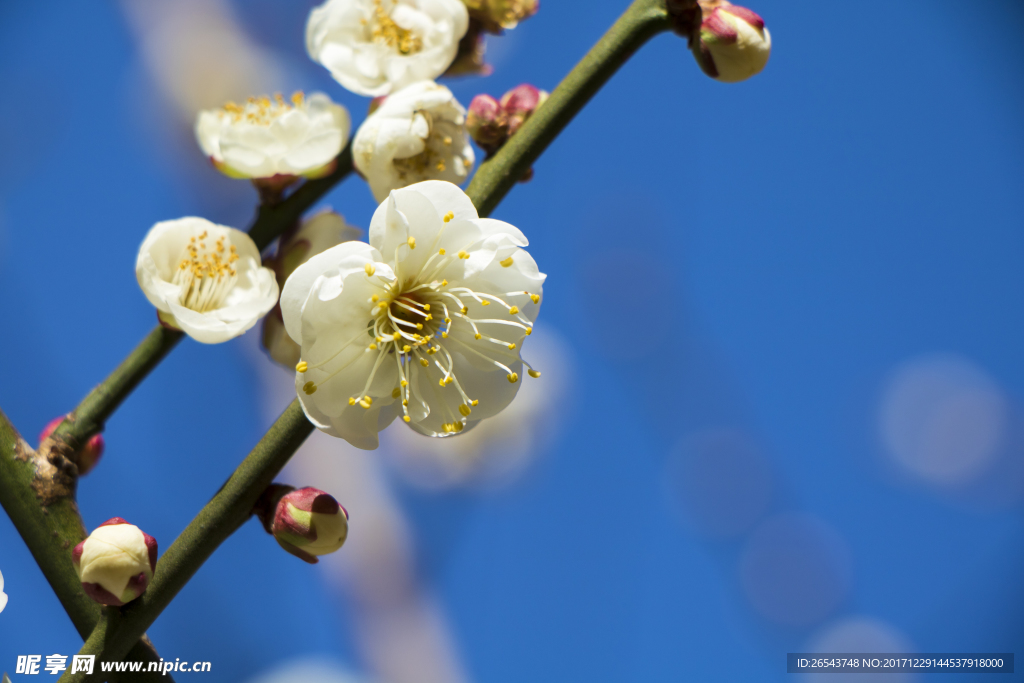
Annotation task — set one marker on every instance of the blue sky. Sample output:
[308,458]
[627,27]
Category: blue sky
[767,260]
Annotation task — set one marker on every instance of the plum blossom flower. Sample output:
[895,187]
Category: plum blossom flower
[317,234]
[268,137]
[376,47]
[116,562]
[417,134]
[426,321]
[204,279]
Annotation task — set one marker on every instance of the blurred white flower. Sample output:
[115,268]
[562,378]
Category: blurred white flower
[116,562]
[376,47]
[426,321]
[417,134]
[204,279]
[317,234]
[267,137]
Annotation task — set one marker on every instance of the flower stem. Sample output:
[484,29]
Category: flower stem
[643,20]
[50,525]
[218,519]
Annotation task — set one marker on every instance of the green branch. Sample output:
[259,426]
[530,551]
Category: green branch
[643,20]
[37,492]
[212,526]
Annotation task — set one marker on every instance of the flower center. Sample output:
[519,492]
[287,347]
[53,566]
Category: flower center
[261,111]
[419,319]
[205,273]
[434,157]
[385,31]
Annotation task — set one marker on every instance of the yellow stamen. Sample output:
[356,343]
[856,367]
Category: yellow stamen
[506,262]
[411,242]
[514,377]
[370,270]
[302,366]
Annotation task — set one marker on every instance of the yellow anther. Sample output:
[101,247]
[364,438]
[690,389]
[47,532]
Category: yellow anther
[511,346]
[475,402]
[411,242]
[429,317]
[396,392]
[364,404]
[444,282]
[465,410]
[406,349]
[396,336]
[426,307]
[370,270]
[477,335]
[485,302]
[506,263]
[458,426]
[404,383]
[372,347]
[446,427]
[419,326]
[405,402]
[301,366]
[424,362]
[514,377]
[444,335]
[447,321]
[441,251]
[297,98]
[535,298]
[465,310]
[448,380]
[367,399]
[380,339]
[374,298]
[441,381]
[529,331]
[448,216]
[406,418]
[351,401]
[463,254]
[309,388]
[513,310]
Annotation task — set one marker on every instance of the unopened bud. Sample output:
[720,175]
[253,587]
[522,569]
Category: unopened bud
[88,456]
[306,522]
[487,123]
[733,44]
[115,563]
[519,103]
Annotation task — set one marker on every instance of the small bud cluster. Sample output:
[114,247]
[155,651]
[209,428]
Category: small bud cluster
[492,122]
[306,522]
[88,456]
[116,562]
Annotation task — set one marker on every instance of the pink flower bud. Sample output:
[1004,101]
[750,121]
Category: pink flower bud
[116,562]
[520,102]
[306,522]
[734,43]
[487,123]
[90,453]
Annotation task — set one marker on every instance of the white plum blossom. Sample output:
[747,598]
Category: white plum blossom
[417,134]
[116,562]
[205,279]
[425,322]
[376,47]
[268,137]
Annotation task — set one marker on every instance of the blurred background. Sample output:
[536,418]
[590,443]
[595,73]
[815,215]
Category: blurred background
[824,452]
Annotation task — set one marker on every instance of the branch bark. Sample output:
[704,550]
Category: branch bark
[37,492]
